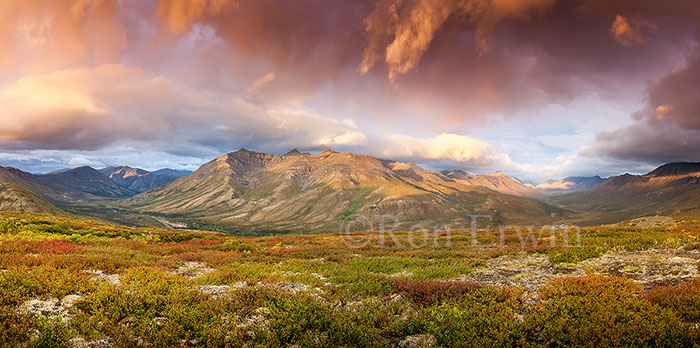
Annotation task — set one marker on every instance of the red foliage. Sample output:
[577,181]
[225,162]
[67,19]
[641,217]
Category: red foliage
[684,299]
[55,246]
[426,292]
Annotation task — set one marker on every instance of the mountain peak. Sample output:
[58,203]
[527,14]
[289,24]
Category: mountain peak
[497,174]
[294,152]
[326,152]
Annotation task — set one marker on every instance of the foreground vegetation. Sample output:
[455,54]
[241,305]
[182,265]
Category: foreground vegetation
[68,282]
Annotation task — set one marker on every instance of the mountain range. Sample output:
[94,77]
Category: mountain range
[295,191]
[671,189]
[246,190]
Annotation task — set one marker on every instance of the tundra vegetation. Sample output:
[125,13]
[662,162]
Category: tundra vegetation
[68,282]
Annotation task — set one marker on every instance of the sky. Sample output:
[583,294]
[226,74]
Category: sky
[538,89]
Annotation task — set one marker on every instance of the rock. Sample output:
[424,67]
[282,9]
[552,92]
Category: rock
[51,307]
[219,290]
[69,300]
[101,275]
[647,268]
[192,270]
[417,341]
[80,342]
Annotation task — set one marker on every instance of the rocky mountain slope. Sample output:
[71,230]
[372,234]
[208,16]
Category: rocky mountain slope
[302,191]
[15,198]
[497,181]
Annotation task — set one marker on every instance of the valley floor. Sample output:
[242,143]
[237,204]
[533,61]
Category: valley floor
[66,282]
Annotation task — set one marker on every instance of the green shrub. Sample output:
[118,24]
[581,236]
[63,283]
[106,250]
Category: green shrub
[51,229]
[9,225]
[574,254]
[52,334]
[484,318]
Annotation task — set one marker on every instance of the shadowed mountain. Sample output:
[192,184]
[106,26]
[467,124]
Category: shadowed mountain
[672,189]
[139,180]
[570,184]
[83,183]
[497,181]
[297,191]
[676,169]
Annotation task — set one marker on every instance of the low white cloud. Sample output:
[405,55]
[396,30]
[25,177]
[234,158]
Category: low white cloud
[446,146]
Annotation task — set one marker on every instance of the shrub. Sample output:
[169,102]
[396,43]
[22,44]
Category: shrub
[20,283]
[177,236]
[9,225]
[306,322]
[484,318]
[683,299]
[594,311]
[14,327]
[52,333]
[53,246]
[51,229]
[427,292]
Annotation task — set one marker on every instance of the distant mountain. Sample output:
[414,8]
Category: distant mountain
[295,152]
[570,184]
[497,181]
[139,180]
[298,191]
[175,173]
[74,185]
[671,189]
[84,183]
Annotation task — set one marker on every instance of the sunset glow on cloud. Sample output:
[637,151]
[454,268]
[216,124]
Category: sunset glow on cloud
[539,89]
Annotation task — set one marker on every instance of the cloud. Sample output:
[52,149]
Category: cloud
[556,185]
[453,147]
[90,108]
[42,36]
[667,129]
[630,32]
[410,26]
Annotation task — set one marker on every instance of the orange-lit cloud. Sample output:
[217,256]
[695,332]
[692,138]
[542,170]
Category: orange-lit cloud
[411,26]
[630,32]
[44,35]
